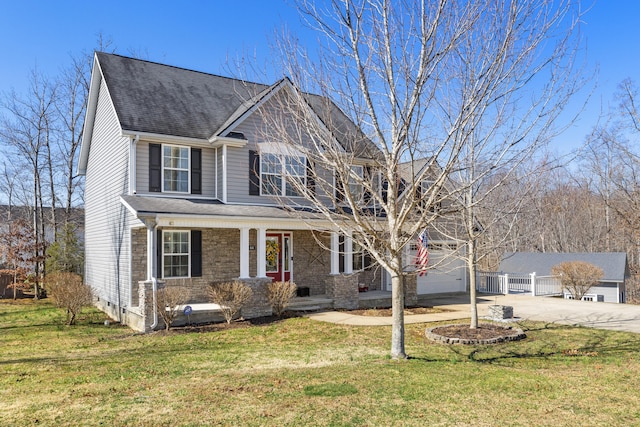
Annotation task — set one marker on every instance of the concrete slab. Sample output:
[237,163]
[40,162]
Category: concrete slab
[620,317]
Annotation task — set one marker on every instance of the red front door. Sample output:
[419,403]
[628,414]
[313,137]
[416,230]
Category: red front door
[279,256]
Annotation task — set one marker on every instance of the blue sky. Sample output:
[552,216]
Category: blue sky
[202,35]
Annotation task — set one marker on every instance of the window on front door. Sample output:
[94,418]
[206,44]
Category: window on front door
[175,253]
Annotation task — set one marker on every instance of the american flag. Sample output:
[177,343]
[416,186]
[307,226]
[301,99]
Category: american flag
[422,257]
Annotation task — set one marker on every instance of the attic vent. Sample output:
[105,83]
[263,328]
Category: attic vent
[237,135]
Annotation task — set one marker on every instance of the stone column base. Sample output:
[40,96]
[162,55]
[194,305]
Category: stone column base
[258,305]
[343,289]
[410,290]
[146,308]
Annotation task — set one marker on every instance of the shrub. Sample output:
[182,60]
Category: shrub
[577,277]
[279,295]
[167,302]
[68,291]
[230,296]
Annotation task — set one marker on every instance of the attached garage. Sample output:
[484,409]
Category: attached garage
[446,273]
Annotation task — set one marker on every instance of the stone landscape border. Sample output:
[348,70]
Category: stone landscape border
[511,334]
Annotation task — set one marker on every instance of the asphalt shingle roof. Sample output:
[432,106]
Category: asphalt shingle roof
[162,99]
[614,264]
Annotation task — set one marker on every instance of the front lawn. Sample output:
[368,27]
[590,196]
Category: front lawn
[301,372]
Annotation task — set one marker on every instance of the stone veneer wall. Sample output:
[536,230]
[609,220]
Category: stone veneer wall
[220,261]
[410,290]
[311,262]
[371,277]
[343,289]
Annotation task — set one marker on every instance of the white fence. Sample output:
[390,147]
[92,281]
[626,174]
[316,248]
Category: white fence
[506,283]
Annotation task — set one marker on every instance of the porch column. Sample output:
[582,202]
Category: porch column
[261,252]
[348,253]
[244,253]
[335,254]
[151,248]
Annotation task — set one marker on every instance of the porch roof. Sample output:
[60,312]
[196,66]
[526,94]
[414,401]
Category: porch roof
[143,206]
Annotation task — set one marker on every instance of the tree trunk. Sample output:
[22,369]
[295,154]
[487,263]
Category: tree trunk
[471,267]
[397,313]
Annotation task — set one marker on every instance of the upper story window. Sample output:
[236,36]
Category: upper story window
[425,188]
[355,182]
[281,174]
[175,168]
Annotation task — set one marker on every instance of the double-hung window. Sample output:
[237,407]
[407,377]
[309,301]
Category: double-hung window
[175,253]
[175,168]
[355,182]
[281,175]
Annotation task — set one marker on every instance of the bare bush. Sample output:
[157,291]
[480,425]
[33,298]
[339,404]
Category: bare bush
[279,295]
[168,301]
[230,296]
[577,277]
[68,291]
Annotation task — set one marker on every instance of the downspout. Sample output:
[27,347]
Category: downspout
[132,165]
[152,226]
[154,281]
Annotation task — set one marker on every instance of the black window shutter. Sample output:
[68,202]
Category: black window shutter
[339,189]
[155,168]
[342,254]
[196,253]
[254,173]
[196,171]
[366,263]
[159,244]
[311,181]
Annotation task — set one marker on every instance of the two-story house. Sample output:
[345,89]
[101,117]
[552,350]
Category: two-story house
[182,188]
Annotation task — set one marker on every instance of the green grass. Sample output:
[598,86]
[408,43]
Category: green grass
[301,372]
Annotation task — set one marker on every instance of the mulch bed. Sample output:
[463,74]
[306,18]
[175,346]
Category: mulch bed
[223,326]
[486,333]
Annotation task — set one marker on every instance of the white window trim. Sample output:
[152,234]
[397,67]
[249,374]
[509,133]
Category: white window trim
[282,157]
[188,253]
[164,190]
[354,182]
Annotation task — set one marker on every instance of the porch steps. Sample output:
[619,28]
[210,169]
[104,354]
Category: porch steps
[314,303]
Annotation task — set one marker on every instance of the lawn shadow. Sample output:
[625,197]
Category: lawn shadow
[547,340]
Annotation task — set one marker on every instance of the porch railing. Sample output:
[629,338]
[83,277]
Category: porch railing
[505,283]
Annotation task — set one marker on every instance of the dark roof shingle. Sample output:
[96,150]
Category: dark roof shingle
[162,99]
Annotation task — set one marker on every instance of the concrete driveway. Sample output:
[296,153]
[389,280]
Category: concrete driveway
[618,317]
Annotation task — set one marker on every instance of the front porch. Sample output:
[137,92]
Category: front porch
[209,312]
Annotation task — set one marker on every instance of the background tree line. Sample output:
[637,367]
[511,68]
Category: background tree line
[40,137]
[589,204]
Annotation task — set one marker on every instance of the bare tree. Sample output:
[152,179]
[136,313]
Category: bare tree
[430,86]
[26,130]
[577,277]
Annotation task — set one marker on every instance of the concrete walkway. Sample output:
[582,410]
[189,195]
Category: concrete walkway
[618,317]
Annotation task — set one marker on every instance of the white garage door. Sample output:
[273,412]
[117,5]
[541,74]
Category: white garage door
[447,274]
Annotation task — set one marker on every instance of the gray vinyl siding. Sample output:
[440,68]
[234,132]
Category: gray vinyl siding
[107,221]
[609,290]
[142,171]
[238,166]
[218,164]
